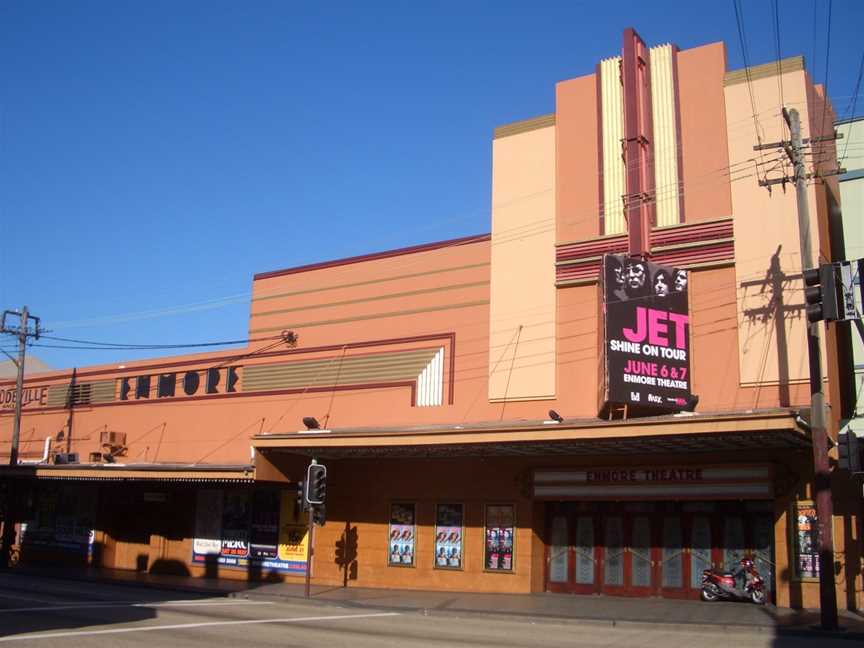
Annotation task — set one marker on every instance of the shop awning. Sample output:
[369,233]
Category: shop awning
[681,433]
[134,472]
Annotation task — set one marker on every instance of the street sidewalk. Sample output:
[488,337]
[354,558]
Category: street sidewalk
[560,607]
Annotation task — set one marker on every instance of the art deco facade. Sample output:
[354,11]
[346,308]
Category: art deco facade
[431,371]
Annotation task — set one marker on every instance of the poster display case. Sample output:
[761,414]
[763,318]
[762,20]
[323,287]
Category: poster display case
[500,534]
[449,534]
[403,527]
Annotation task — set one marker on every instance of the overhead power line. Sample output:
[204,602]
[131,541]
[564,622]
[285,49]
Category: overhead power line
[854,105]
[93,344]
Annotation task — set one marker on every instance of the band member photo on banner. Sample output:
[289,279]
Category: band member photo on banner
[647,336]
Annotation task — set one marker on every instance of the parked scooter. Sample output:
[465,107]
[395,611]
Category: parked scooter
[721,585]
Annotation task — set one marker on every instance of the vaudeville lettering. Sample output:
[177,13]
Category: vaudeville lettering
[28,395]
[166,384]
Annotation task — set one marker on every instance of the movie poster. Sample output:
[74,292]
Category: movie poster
[647,335]
[500,530]
[806,541]
[402,530]
[293,535]
[448,536]
[240,529]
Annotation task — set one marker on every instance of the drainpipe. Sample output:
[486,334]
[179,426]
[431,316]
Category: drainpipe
[44,454]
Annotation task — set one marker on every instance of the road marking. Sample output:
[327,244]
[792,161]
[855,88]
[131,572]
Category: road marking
[144,604]
[187,626]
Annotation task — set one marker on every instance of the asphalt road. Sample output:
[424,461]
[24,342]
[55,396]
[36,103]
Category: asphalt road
[45,612]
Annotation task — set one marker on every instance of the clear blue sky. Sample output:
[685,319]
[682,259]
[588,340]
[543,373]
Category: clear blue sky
[155,155]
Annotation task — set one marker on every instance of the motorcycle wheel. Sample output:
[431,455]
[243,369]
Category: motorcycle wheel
[758,597]
[709,594]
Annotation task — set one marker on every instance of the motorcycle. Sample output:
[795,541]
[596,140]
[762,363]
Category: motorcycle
[718,585]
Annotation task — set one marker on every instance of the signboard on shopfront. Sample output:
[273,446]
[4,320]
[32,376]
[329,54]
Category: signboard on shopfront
[655,482]
[646,342]
[243,529]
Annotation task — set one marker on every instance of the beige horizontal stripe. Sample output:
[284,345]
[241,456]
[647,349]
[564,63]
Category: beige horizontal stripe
[372,316]
[339,371]
[371,282]
[662,229]
[693,244]
[377,358]
[361,300]
[333,374]
[790,64]
[327,381]
[345,368]
[514,128]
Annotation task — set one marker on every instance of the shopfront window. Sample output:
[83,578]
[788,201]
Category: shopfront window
[449,531]
[249,529]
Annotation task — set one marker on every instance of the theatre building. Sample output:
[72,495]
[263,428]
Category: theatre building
[607,393]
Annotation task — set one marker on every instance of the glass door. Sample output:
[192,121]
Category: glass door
[700,551]
[640,559]
[559,553]
[673,566]
[613,555]
[763,544]
[585,552]
[734,542]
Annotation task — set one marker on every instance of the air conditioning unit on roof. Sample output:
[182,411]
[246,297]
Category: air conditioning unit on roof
[114,439]
[66,458]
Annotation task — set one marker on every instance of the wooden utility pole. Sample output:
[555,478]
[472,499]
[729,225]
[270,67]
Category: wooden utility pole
[22,332]
[818,431]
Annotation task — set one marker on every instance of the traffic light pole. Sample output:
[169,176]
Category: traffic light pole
[818,431]
[310,551]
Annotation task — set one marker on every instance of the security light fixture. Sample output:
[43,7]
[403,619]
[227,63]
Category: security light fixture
[311,423]
[692,402]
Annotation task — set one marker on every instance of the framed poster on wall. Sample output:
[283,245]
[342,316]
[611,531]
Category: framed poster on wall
[500,533]
[449,531]
[402,532]
[806,541]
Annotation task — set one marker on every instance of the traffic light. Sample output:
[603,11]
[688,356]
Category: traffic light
[851,449]
[301,497]
[319,514]
[820,294]
[316,478]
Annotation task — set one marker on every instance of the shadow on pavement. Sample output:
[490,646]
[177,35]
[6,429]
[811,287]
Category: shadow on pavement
[31,604]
